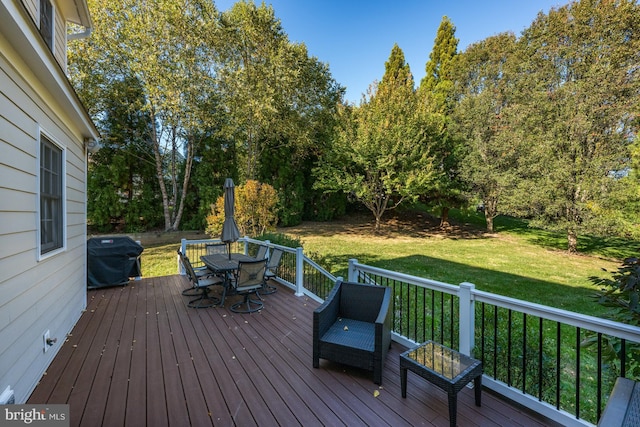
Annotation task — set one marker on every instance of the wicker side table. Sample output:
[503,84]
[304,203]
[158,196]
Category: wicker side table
[445,368]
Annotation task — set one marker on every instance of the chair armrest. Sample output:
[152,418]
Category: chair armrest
[326,315]
[383,324]
[385,307]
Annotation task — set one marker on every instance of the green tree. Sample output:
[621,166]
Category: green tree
[122,187]
[436,96]
[166,45]
[280,103]
[484,96]
[215,161]
[579,85]
[436,87]
[380,156]
[271,87]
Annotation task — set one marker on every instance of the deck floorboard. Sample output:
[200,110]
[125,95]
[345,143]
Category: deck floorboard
[140,356]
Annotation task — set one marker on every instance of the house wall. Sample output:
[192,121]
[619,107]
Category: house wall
[59,32]
[36,293]
[60,37]
[33,6]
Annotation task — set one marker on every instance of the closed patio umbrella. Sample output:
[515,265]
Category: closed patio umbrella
[230,232]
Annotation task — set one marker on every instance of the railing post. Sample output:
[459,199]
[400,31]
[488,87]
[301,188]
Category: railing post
[352,275]
[183,249]
[467,318]
[299,272]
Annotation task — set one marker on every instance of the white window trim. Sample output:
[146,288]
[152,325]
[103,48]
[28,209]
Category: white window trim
[63,248]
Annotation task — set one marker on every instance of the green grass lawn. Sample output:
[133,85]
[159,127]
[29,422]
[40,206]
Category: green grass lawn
[516,261]
[160,260]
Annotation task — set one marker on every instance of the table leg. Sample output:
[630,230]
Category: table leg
[453,408]
[225,286]
[477,387]
[403,381]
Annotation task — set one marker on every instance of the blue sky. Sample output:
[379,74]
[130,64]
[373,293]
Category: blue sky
[355,37]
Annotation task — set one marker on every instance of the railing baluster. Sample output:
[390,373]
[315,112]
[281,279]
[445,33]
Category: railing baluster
[406,311]
[509,340]
[623,358]
[441,317]
[558,365]
[433,313]
[424,313]
[415,314]
[495,341]
[578,372]
[524,352]
[540,351]
[482,335]
[599,388]
[451,323]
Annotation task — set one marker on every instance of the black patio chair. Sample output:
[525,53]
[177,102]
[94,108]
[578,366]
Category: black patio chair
[272,271]
[199,271]
[353,327]
[249,279]
[216,248]
[200,284]
[262,252]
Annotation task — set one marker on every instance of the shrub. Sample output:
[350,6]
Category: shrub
[621,294]
[255,210]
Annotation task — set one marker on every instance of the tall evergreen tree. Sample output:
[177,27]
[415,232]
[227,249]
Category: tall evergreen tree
[380,156]
[435,96]
[436,87]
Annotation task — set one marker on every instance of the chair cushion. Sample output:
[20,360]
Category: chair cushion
[358,334]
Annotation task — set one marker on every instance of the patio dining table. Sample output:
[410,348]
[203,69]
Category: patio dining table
[225,264]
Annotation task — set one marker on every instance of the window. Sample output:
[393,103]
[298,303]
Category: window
[46,22]
[51,196]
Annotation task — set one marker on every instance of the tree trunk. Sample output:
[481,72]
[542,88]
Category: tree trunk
[489,220]
[174,173]
[185,184]
[444,217]
[160,174]
[572,239]
[490,211]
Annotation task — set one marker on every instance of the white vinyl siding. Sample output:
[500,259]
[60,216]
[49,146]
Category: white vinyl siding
[60,39]
[37,293]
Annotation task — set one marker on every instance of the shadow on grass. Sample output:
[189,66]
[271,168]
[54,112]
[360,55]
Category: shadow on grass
[612,247]
[576,299]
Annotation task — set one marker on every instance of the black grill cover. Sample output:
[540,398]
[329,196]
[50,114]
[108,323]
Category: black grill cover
[112,261]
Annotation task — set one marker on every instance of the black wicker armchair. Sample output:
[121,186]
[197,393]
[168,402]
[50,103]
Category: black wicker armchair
[353,327]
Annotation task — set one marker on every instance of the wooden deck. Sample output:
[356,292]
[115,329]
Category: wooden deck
[139,356]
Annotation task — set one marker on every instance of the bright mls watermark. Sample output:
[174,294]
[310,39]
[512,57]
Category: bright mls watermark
[34,415]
